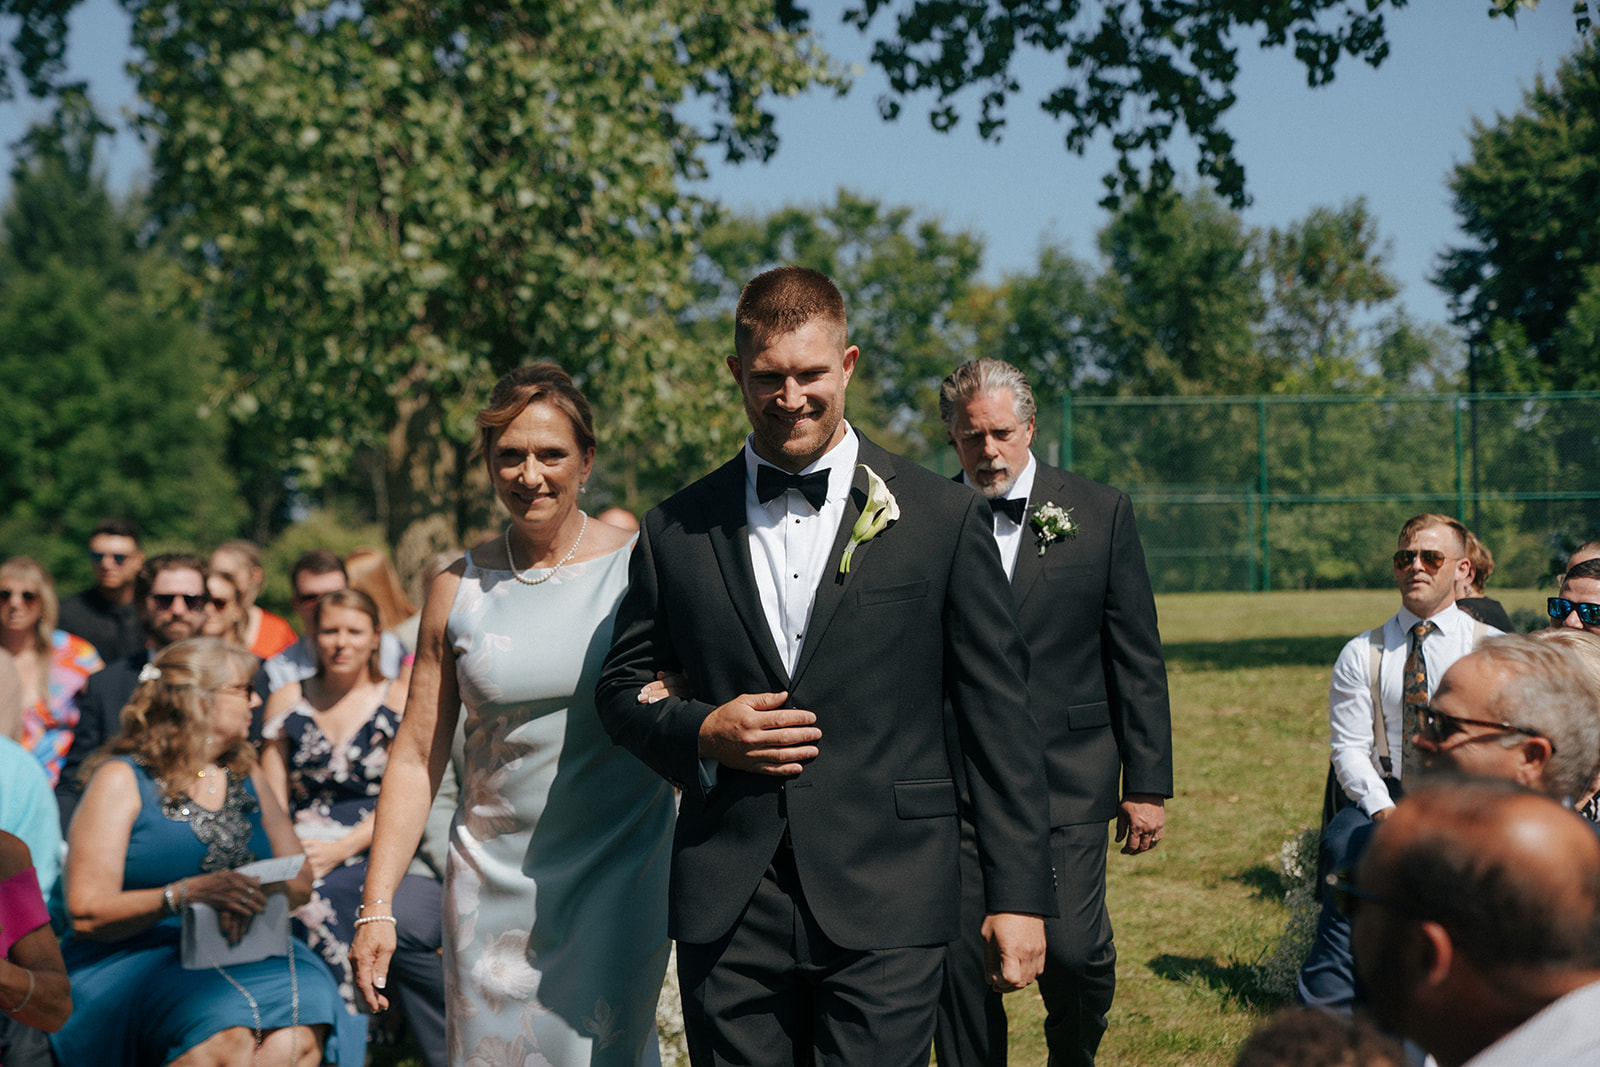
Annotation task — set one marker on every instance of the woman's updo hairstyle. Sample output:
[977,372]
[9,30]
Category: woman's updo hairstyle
[536,382]
[166,723]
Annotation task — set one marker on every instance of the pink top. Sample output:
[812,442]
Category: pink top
[22,909]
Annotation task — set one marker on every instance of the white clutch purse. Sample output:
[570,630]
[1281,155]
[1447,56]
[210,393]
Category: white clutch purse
[203,945]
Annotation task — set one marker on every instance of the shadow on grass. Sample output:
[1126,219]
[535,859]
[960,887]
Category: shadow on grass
[1266,883]
[1254,652]
[1234,981]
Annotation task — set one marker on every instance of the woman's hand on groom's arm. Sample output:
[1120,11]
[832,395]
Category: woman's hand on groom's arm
[754,732]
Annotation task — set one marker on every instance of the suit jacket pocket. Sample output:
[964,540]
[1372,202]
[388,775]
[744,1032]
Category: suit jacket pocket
[927,798]
[890,594]
[1088,716]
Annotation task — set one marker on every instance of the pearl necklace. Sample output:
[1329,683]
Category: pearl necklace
[213,772]
[511,560]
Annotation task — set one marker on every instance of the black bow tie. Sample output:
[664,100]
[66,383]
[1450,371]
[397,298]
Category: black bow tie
[1015,507]
[772,483]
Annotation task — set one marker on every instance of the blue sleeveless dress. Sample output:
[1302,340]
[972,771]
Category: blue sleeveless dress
[133,1002]
[556,891]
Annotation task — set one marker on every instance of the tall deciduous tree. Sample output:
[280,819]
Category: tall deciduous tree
[1527,286]
[387,206]
[108,402]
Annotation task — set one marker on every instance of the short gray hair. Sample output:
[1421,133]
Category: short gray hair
[979,376]
[1550,691]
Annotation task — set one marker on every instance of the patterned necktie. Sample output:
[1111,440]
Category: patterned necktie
[1414,690]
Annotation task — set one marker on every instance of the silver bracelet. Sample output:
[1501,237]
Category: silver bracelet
[370,904]
[375,919]
[24,1004]
[167,900]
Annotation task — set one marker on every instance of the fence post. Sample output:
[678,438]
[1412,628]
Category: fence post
[1261,448]
[1461,480]
[1066,430]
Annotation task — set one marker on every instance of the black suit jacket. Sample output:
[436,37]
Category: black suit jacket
[1097,680]
[873,819]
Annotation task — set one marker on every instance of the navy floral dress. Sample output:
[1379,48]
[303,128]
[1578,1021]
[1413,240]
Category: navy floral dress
[331,789]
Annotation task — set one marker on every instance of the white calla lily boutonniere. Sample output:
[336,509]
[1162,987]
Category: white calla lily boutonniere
[1053,523]
[881,509]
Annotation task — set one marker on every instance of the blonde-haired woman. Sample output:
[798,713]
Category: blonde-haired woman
[173,806]
[53,664]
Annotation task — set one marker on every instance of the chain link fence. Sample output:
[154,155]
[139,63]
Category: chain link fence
[1279,492]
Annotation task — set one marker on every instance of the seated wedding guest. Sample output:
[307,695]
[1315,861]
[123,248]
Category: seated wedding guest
[370,571]
[103,614]
[1469,590]
[313,574]
[329,746]
[170,593]
[1578,606]
[28,810]
[53,664]
[1475,917]
[265,634]
[174,804]
[1304,1037]
[1519,709]
[10,698]
[225,614]
[1584,648]
[35,995]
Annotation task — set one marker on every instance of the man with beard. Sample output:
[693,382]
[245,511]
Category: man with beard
[170,593]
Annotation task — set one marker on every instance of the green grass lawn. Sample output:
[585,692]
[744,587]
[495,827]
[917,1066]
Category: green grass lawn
[1249,679]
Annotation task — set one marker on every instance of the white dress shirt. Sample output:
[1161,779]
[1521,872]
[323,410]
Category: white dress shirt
[1355,760]
[790,542]
[1564,1034]
[1008,534]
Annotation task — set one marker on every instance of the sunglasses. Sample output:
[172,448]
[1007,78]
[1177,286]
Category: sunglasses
[220,603]
[1344,896]
[119,558]
[1432,559]
[27,596]
[1438,727]
[1560,607]
[191,601]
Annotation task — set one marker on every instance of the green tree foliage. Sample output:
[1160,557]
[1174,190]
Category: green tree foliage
[1527,286]
[383,208]
[108,404]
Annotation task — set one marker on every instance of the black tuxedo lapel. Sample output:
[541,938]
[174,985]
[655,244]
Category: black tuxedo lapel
[730,541]
[1030,563]
[832,587]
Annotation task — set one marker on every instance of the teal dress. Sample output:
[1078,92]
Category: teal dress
[133,1002]
[556,890]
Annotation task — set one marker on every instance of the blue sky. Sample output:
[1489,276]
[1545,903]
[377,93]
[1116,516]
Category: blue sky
[1389,134]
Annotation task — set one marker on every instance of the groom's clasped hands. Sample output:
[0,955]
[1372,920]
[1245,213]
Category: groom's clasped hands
[754,732]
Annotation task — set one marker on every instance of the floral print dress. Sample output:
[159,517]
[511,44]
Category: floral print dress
[555,924]
[332,788]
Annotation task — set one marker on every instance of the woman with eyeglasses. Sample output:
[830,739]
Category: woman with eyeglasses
[53,664]
[225,614]
[174,804]
[328,747]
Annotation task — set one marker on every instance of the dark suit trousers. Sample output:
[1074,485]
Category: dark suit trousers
[416,973]
[1079,976]
[776,992]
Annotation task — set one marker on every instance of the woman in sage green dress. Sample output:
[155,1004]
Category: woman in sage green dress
[555,898]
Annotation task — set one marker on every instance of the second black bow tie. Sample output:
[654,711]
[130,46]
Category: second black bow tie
[1014,507]
[772,482]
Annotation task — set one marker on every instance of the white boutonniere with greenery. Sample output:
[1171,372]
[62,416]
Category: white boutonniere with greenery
[881,509]
[1053,523]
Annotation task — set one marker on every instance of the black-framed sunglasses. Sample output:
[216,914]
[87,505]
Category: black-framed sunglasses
[27,596]
[119,558]
[1438,727]
[1432,559]
[191,601]
[1560,607]
[1345,897]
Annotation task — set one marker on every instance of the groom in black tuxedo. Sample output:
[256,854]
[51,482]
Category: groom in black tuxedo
[814,876]
[1098,688]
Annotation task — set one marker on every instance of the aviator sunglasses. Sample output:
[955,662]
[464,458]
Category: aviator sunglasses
[1560,607]
[119,558]
[1432,559]
[1438,727]
[191,601]
[27,596]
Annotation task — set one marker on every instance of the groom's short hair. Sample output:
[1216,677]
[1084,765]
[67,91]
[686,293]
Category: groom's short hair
[781,301]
